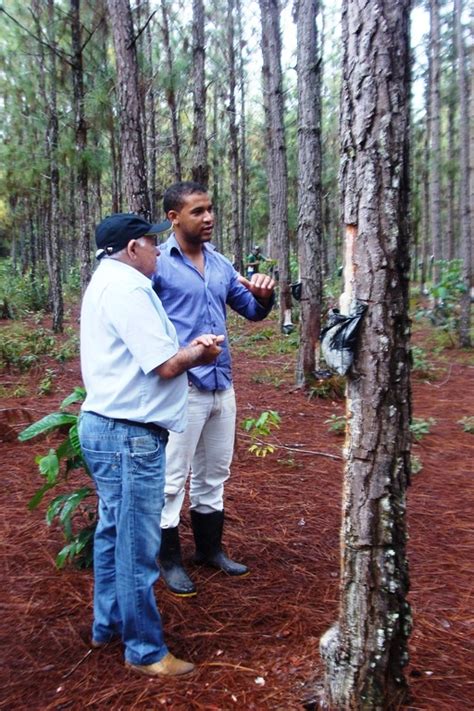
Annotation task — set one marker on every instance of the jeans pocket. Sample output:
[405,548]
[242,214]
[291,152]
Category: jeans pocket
[147,473]
[105,468]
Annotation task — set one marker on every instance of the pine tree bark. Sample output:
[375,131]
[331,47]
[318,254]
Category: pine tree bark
[53,253]
[277,170]
[82,171]
[426,241]
[150,118]
[171,92]
[216,172]
[464,208]
[236,241]
[243,167]
[435,140]
[131,139]
[200,169]
[471,141]
[366,651]
[309,185]
[451,179]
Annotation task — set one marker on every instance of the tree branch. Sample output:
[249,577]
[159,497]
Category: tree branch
[59,54]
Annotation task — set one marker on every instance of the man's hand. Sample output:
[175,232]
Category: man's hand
[211,347]
[201,351]
[261,286]
[207,339]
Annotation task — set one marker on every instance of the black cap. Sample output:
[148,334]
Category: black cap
[116,231]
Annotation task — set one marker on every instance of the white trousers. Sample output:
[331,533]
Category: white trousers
[205,449]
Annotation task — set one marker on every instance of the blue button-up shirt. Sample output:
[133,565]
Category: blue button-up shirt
[196,304]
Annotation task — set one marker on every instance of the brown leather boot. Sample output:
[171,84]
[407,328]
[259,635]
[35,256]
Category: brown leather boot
[168,666]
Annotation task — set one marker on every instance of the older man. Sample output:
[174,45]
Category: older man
[134,373]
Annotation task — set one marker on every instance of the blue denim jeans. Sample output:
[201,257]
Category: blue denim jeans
[128,467]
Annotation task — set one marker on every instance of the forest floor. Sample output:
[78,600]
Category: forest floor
[255,640]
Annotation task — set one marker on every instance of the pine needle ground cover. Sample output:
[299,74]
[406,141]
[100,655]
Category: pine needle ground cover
[255,640]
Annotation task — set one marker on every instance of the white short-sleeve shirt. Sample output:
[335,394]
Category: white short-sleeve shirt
[125,335]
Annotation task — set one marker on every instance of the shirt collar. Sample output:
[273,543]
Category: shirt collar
[173,244]
[107,264]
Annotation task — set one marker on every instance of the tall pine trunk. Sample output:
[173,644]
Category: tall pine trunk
[435,140]
[131,139]
[366,651]
[464,210]
[236,241]
[53,252]
[243,167]
[277,170]
[309,186]
[200,169]
[82,171]
[170,92]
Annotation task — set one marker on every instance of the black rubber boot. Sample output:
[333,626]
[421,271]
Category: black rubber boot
[207,530]
[171,564]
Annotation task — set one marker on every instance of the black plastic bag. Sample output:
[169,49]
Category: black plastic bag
[339,337]
[296,290]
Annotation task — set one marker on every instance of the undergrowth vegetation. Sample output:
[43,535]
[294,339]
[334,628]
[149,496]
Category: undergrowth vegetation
[26,344]
[70,509]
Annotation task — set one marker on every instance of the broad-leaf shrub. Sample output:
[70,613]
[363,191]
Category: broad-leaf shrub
[71,510]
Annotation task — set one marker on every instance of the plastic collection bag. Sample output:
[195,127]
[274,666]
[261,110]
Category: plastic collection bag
[339,337]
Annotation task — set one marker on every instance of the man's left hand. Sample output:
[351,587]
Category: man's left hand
[261,286]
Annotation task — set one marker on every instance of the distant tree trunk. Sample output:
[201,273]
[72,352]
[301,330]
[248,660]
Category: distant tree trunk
[236,242]
[465,226]
[243,167]
[216,173]
[171,93]
[116,171]
[471,139]
[131,141]
[53,250]
[151,128]
[425,201]
[276,161]
[366,651]
[451,178]
[200,169]
[435,139]
[82,171]
[309,185]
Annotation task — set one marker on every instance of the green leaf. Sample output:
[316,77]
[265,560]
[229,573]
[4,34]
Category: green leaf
[64,554]
[74,548]
[74,439]
[47,424]
[49,466]
[248,424]
[66,450]
[38,497]
[77,395]
[64,505]
[72,502]
[262,419]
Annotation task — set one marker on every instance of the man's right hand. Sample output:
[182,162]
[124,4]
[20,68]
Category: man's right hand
[210,347]
[201,351]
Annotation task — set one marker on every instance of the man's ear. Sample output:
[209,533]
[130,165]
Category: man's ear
[131,248]
[172,216]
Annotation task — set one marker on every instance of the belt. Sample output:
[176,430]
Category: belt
[157,429]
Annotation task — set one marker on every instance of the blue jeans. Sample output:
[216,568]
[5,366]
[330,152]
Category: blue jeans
[128,467]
